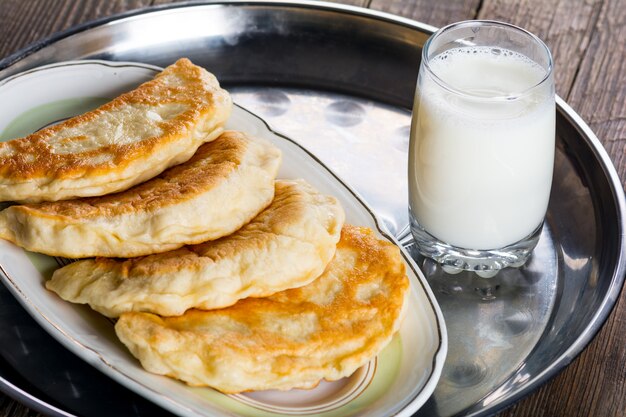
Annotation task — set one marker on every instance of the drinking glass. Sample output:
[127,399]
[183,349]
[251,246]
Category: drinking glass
[481,152]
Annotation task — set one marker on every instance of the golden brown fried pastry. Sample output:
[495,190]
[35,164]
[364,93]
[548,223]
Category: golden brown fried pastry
[122,143]
[291,339]
[287,245]
[221,188]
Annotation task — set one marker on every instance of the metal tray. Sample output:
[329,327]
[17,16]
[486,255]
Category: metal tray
[340,81]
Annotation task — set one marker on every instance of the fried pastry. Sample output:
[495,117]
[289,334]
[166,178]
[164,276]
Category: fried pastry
[133,138]
[222,187]
[287,245]
[292,339]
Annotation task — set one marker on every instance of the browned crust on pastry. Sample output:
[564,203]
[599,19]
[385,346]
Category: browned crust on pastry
[32,157]
[375,261]
[211,164]
[292,339]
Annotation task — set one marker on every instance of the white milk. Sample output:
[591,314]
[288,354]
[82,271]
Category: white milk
[480,171]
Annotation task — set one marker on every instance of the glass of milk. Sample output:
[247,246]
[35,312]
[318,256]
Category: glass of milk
[481,153]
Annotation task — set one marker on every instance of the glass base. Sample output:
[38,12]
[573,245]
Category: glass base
[485,263]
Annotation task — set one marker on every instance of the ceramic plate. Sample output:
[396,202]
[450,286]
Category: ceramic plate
[397,382]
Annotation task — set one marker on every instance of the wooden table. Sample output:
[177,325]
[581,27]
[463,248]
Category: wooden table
[588,41]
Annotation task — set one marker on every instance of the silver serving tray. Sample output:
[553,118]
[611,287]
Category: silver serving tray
[340,80]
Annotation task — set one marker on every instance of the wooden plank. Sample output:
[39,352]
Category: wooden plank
[599,93]
[437,13]
[564,25]
[361,3]
[24,21]
[11,408]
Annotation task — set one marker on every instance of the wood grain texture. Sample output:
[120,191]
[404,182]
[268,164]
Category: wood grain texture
[564,25]
[599,93]
[8,407]
[587,38]
[437,13]
[360,3]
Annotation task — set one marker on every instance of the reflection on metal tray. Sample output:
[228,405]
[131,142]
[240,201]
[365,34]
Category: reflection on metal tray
[340,80]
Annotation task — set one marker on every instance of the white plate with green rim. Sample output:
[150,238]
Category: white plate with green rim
[397,382]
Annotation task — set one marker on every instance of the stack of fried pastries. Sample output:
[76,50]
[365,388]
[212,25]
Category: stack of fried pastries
[221,188]
[218,273]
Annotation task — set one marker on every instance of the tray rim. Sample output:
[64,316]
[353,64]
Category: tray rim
[600,316]
[22,53]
